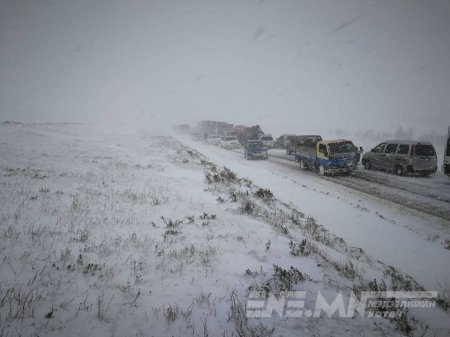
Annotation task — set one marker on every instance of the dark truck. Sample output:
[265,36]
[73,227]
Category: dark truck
[255,149]
[328,157]
[250,133]
[303,140]
[446,167]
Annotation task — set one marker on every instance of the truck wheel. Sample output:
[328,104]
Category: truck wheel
[321,170]
[367,165]
[399,170]
[302,165]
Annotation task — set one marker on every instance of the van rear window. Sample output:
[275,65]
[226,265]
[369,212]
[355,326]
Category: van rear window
[425,150]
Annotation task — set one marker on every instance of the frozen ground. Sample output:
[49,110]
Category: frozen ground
[115,232]
[406,238]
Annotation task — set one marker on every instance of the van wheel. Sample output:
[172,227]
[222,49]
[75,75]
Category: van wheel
[399,170]
[302,165]
[321,170]
[367,165]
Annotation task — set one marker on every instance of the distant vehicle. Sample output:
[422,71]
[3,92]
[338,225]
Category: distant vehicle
[296,141]
[250,133]
[283,140]
[197,136]
[255,149]
[229,142]
[447,155]
[267,140]
[328,157]
[402,157]
[213,139]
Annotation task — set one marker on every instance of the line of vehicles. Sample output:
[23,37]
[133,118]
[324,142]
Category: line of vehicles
[330,157]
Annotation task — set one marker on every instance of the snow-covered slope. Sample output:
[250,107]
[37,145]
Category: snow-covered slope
[399,236]
[108,232]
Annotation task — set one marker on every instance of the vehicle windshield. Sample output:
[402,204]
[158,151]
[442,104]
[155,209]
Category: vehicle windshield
[255,144]
[230,138]
[425,150]
[266,138]
[342,147]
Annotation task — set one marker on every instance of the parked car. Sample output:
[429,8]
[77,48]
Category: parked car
[267,140]
[213,139]
[328,157]
[283,140]
[255,149]
[402,156]
[229,142]
[446,167]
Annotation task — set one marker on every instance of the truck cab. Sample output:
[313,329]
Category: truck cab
[267,140]
[336,156]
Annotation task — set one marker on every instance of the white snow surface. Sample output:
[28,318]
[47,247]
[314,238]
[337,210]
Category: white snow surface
[114,232]
[396,235]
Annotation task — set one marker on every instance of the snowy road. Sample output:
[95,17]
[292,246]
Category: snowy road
[366,214]
[430,195]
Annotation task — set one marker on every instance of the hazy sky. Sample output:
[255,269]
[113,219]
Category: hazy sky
[289,65]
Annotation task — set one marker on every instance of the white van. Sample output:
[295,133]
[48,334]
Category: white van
[213,139]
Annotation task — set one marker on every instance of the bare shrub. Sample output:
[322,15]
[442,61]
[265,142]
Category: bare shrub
[264,194]
[248,207]
[238,315]
[299,248]
[102,307]
[171,223]
[285,279]
[347,269]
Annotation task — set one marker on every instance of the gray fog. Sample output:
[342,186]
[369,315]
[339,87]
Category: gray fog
[290,66]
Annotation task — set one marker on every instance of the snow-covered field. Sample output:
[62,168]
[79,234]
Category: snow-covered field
[117,232]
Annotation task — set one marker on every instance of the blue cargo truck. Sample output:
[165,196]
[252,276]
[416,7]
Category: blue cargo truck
[255,149]
[327,157]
